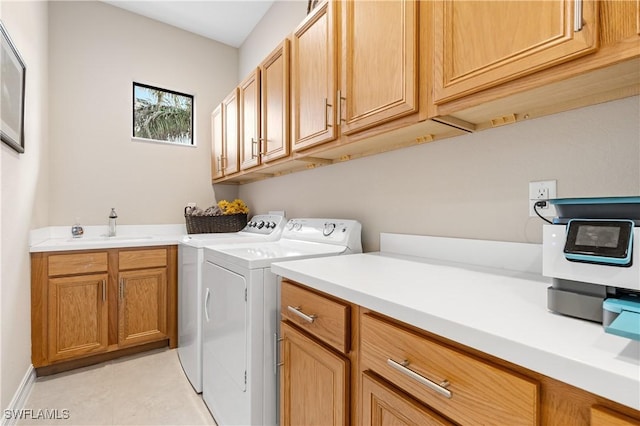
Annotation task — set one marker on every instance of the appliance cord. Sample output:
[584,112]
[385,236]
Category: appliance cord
[535,209]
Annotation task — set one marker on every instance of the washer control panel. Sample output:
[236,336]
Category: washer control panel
[264,224]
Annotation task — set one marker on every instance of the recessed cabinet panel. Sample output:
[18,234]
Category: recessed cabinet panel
[275,123]
[383,406]
[313,79]
[480,44]
[231,136]
[77,263]
[380,67]
[142,306]
[250,121]
[78,316]
[217,143]
[314,382]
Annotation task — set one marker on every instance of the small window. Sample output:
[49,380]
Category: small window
[162,115]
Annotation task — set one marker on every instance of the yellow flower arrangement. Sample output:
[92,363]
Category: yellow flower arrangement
[234,207]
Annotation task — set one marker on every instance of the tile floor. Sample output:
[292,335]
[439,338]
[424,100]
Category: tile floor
[144,389]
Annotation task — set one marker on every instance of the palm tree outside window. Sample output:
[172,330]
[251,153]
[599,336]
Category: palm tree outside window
[162,115]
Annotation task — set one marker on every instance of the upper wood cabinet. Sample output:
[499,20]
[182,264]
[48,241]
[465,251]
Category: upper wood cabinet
[480,44]
[379,68]
[230,134]
[275,100]
[225,137]
[314,75]
[264,110]
[217,143]
[249,115]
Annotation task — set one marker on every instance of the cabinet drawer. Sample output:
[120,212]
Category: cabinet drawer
[138,259]
[78,263]
[327,319]
[467,390]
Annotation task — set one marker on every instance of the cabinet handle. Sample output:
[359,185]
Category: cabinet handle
[296,310]
[223,165]
[254,143]
[206,305]
[121,288]
[327,105]
[276,340]
[263,145]
[402,367]
[219,163]
[340,99]
[577,15]
[104,291]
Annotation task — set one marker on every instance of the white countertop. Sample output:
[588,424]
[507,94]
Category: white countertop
[58,238]
[496,311]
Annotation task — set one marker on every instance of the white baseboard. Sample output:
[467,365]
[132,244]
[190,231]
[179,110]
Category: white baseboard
[20,397]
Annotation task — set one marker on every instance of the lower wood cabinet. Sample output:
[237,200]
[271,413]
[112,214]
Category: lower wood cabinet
[343,364]
[77,316]
[96,303]
[382,406]
[142,308]
[315,382]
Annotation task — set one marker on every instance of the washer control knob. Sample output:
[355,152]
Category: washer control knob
[291,225]
[328,229]
[272,225]
[261,224]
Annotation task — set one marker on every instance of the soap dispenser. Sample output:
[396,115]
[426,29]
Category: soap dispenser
[112,222]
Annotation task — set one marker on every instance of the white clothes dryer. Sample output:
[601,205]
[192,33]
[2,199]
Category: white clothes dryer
[190,259]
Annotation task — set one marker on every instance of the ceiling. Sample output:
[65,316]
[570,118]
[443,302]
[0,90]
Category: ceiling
[226,21]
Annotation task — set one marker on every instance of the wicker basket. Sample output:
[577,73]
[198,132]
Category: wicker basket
[212,224]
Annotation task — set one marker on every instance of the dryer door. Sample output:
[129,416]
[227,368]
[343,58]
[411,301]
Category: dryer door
[225,323]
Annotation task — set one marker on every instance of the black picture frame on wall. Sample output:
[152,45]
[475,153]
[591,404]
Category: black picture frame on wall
[12,86]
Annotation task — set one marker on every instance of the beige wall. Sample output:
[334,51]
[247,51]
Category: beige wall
[24,189]
[279,21]
[97,51]
[472,186]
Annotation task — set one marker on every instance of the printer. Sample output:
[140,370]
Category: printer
[591,253]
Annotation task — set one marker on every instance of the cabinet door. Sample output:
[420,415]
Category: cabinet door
[142,307]
[379,62]
[250,120]
[314,79]
[217,143]
[275,131]
[382,406]
[480,44]
[78,316]
[601,416]
[315,382]
[230,134]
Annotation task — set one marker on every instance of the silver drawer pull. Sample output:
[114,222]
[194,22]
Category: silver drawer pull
[440,388]
[296,310]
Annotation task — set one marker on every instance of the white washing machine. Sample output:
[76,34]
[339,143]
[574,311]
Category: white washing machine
[190,259]
[241,315]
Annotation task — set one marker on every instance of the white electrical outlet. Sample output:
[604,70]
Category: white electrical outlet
[541,191]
